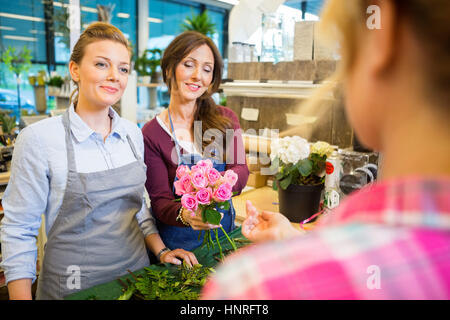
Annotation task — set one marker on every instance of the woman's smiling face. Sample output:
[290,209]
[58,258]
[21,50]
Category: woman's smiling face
[194,73]
[102,75]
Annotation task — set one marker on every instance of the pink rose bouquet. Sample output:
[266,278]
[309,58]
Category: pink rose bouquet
[203,188]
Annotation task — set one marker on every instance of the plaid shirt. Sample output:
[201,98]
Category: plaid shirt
[389,240]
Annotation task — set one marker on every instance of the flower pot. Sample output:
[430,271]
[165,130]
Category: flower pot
[299,202]
[144,79]
[156,77]
[53,91]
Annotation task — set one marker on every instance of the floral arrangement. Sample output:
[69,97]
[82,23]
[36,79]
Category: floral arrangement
[203,188]
[296,161]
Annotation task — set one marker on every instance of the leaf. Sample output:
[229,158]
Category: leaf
[204,217]
[224,205]
[305,167]
[200,23]
[285,182]
[279,176]
[274,166]
[128,293]
[213,216]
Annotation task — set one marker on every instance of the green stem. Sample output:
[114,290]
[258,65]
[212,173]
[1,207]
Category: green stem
[210,239]
[229,240]
[205,240]
[218,243]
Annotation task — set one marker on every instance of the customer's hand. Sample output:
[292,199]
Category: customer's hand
[266,226]
[196,222]
[174,257]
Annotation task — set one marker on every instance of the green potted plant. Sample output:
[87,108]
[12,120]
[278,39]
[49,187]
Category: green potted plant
[147,65]
[17,62]
[54,84]
[201,23]
[300,175]
[8,129]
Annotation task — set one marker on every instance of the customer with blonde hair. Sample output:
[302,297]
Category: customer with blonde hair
[391,239]
[85,172]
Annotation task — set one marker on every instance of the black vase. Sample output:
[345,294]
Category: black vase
[299,202]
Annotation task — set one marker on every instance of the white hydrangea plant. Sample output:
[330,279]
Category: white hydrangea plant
[297,161]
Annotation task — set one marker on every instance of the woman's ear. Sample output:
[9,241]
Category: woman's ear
[384,38]
[74,70]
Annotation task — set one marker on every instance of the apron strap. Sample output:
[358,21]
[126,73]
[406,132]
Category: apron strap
[133,148]
[177,146]
[71,164]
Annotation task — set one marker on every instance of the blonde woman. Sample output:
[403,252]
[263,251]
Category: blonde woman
[85,171]
[390,240]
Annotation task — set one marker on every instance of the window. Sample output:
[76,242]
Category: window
[166,17]
[22,24]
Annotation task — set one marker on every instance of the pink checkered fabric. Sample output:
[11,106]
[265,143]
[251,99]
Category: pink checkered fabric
[390,240]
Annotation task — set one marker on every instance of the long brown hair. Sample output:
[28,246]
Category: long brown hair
[95,32]
[206,110]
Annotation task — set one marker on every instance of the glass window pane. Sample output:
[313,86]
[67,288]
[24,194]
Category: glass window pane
[217,19]
[123,16]
[22,24]
[165,19]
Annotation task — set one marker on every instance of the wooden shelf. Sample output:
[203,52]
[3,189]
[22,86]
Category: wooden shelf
[151,85]
[272,89]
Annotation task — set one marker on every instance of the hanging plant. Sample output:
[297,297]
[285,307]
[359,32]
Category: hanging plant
[200,23]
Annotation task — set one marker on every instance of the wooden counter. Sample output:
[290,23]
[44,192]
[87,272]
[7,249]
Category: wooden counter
[4,177]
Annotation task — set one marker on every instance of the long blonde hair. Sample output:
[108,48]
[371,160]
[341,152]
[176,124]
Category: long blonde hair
[342,26]
[96,31]
[343,22]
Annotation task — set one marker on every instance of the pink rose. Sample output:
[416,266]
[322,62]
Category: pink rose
[182,170]
[189,202]
[223,192]
[199,180]
[207,164]
[231,177]
[204,196]
[213,175]
[202,165]
[183,185]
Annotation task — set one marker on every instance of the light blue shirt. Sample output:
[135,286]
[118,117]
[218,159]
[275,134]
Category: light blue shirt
[38,181]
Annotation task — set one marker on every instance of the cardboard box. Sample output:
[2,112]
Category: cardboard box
[255,162]
[256,180]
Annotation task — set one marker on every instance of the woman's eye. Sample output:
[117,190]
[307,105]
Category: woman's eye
[207,70]
[124,70]
[188,64]
[100,64]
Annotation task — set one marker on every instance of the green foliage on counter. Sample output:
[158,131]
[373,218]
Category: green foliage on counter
[184,284]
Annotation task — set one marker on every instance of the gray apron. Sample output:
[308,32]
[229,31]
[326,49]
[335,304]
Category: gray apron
[95,237]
